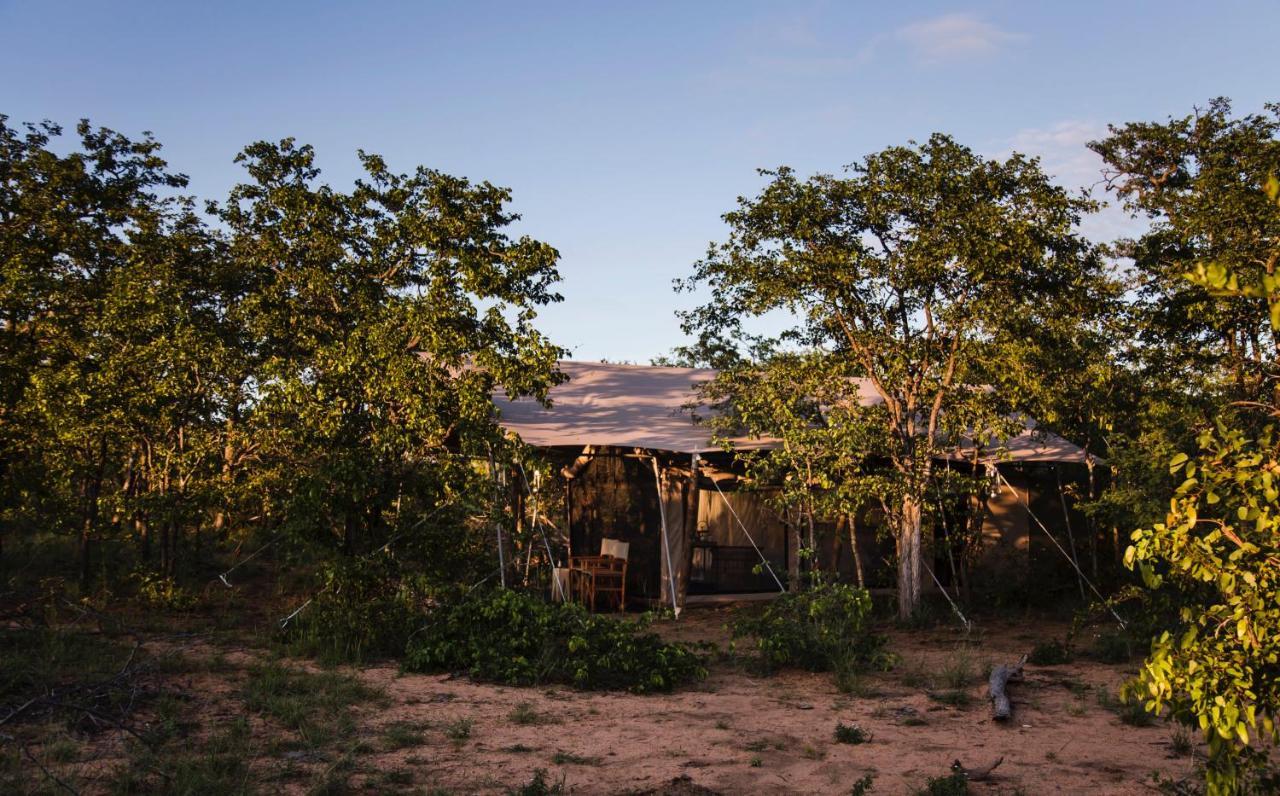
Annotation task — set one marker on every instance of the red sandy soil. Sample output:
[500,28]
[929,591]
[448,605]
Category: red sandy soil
[738,733]
[734,733]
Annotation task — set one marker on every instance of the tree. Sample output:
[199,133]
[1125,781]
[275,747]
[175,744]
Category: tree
[317,362]
[379,323]
[912,272]
[1216,557]
[103,280]
[1195,179]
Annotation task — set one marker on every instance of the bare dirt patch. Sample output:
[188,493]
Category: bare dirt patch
[734,733]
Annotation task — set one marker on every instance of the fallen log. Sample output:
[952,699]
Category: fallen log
[1001,707]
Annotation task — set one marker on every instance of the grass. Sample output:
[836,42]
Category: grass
[34,660]
[914,674]
[524,714]
[955,697]
[398,777]
[316,706]
[1050,653]
[1112,647]
[218,764]
[855,683]
[568,758]
[959,672]
[1180,741]
[459,730]
[851,733]
[1129,711]
[539,786]
[402,735]
[62,750]
[863,786]
[951,785]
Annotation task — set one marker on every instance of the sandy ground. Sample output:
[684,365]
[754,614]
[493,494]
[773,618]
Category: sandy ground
[735,733]
[742,734]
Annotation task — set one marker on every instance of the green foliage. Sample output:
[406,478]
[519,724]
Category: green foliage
[1195,179]
[218,765]
[1050,653]
[299,364]
[1216,551]
[1212,558]
[525,714]
[363,611]
[459,730]
[162,592]
[919,273]
[953,784]
[539,786]
[1112,647]
[316,706]
[510,637]
[825,628]
[863,786]
[39,660]
[851,733]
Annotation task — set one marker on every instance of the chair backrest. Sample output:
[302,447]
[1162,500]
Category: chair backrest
[615,548]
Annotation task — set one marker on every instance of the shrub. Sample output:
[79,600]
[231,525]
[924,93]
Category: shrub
[1050,653]
[1113,648]
[863,786]
[851,733]
[513,638]
[953,784]
[539,786]
[822,629]
[364,610]
[158,591]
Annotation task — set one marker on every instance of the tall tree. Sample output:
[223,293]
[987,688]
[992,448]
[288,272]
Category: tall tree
[78,239]
[1216,559]
[1195,179]
[913,271]
[379,321]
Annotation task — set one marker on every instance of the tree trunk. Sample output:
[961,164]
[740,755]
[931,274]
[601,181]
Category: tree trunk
[853,548]
[793,561]
[1093,530]
[812,543]
[910,534]
[92,493]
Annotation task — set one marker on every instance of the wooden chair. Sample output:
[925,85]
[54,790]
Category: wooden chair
[605,574]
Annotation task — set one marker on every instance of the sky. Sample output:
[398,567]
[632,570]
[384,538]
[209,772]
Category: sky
[625,130]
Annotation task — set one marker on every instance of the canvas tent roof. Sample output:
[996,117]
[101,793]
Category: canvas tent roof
[641,406]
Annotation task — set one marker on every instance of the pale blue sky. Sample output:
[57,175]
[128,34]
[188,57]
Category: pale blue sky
[626,129]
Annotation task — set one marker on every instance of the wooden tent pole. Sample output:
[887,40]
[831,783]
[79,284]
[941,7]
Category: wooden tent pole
[666,544]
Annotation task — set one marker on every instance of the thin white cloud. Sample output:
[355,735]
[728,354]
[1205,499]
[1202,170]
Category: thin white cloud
[1065,157]
[953,37]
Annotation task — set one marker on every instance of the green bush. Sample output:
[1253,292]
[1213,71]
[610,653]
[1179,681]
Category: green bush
[1050,653]
[509,637]
[365,610]
[954,784]
[851,733]
[822,629]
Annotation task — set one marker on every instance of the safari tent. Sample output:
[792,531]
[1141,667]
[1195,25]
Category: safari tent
[637,466]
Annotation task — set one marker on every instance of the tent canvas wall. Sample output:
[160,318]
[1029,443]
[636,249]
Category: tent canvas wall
[640,465]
